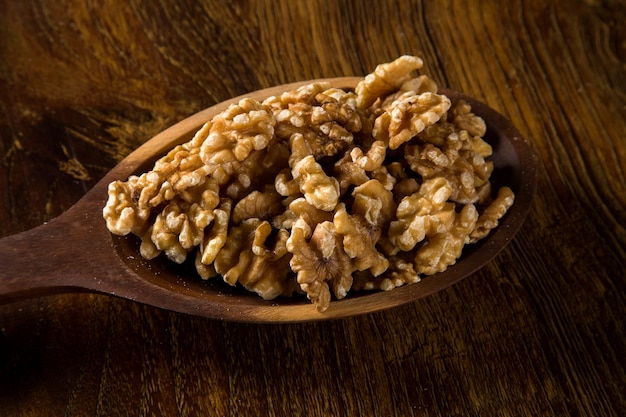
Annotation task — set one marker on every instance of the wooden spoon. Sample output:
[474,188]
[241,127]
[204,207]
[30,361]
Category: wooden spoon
[75,252]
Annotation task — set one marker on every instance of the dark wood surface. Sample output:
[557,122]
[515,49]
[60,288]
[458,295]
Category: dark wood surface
[539,331]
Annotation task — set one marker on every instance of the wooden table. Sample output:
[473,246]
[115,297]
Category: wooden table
[539,331]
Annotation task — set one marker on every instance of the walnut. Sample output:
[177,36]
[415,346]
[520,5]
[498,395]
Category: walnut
[460,174]
[147,248]
[386,79]
[232,135]
[460,159]
[247,259]
[405,188]
[372,210]
[259,169]
[270,274]
[399,273]
[305,94]
[258,204]
[206,271]
[122,214]
[464,119]
[439,133]
[479,146]
[320,262]
[420,84]
[130,203]
[325,118]
[336,105]
[215,239]
[422,214]
[301,208]
[489,218]
[179,227]
[320,190]
[180,169]
[408,116]
[285,185]
[349,173]
[443,249]
[371,160]
[384,177]
[236,249]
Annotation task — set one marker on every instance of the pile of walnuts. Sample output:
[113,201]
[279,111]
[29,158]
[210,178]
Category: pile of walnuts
[320,190]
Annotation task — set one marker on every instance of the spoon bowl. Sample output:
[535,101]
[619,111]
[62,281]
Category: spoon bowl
[76,253]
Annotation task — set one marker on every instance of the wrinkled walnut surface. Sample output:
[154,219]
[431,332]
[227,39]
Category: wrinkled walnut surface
[321,191]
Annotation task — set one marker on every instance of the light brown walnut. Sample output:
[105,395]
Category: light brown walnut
[179,227]
[399,273]
[232,135]
[258,204]
[320,262]
[259,169]
[489,218]
[301,208]
[464,119]
[122,214]
[386,79]
[422,214]
[326,118]
[372,159]
[371,212]
[408,116]
[319,189]
[215,239]
[248,260]
[443,249]
[349,173]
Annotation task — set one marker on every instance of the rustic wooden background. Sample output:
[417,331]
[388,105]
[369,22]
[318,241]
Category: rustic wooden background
[538,331]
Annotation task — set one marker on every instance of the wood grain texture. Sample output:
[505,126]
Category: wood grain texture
[539,331]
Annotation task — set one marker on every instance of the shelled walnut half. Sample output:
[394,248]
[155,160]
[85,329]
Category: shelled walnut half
[321,191]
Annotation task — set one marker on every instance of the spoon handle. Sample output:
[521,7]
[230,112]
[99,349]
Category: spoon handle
[73,252]
[44,260]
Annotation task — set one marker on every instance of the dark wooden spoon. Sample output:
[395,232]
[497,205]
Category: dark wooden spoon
[75,252]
